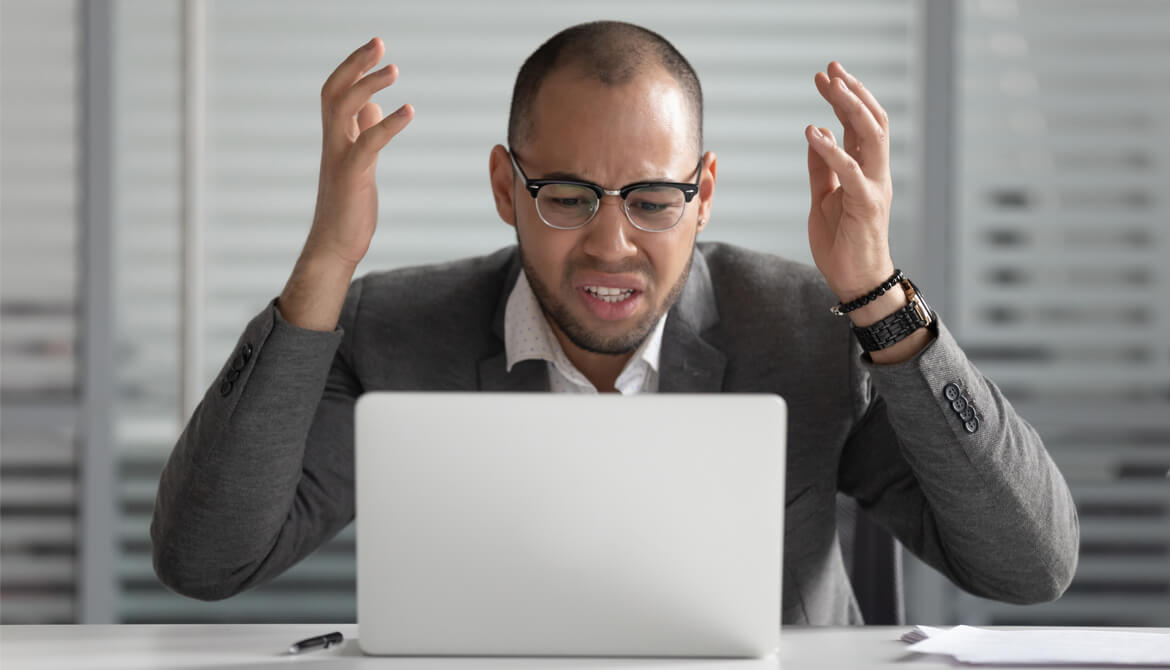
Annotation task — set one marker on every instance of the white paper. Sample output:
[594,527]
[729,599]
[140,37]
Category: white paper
[1048,646]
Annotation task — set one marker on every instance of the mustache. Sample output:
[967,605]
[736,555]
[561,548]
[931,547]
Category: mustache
[627,266]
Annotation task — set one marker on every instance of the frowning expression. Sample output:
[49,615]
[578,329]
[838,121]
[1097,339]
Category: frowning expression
[605,285]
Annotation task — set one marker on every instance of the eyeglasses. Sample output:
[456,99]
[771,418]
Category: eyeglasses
[652,206]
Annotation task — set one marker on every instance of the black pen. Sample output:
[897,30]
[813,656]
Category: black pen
[322,641]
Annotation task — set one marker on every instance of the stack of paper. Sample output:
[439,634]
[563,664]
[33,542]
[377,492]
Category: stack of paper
[1070,646]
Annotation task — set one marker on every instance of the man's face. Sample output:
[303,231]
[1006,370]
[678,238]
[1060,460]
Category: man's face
[611,136]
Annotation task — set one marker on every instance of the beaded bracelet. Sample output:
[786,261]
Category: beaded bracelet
[841,309]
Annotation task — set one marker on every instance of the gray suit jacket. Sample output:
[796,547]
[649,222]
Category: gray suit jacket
[263,473]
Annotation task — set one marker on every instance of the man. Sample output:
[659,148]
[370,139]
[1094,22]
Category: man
[607,186]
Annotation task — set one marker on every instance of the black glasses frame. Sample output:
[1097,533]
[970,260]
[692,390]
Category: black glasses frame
[533,187]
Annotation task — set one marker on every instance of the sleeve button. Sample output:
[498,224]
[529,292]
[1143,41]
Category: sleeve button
[967,414]
[246,351]
[951,391]
[959,404]
[972,426]
[225,388]
[233,375]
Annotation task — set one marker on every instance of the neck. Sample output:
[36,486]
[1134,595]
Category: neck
[601,370]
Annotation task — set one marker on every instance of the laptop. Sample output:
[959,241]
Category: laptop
[518,524]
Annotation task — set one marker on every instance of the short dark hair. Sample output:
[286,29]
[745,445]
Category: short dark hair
[612,52]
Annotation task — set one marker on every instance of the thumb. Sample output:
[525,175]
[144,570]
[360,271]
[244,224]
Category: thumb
[368,115]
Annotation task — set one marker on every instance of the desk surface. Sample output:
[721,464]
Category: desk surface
[188,647]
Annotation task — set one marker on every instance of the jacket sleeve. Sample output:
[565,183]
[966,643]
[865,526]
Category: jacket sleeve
[263,473]
[942,460]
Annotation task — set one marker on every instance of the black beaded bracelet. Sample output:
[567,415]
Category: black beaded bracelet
[841,309]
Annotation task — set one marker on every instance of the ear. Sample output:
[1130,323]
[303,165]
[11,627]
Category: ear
[706,189]
[501,175]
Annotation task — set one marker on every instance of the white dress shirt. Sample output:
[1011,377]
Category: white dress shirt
[527,335]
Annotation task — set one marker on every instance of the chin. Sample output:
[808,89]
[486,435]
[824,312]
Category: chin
[615,344]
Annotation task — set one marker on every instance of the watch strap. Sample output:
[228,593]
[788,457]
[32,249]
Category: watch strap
[897,326]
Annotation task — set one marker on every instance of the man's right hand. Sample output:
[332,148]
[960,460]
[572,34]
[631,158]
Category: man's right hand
[353,132]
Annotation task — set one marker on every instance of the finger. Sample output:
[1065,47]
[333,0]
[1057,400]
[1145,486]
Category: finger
[368,115]
[859,89]
[373,139]
[825,88]
[844,167]
[868,135]
[822,180]
[347,105]
[352,68]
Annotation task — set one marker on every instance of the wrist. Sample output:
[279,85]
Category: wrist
[879,308]
[315,292]
[893,323]
[862,283]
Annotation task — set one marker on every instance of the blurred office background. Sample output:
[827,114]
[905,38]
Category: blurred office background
[158,171]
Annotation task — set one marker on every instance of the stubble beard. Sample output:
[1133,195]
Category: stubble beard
[578,334]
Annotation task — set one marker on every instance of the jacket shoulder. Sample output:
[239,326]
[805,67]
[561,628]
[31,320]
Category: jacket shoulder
[438,282]
[442,309]
[748,281]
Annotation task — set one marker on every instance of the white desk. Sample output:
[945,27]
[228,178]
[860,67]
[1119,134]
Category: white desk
[191,647]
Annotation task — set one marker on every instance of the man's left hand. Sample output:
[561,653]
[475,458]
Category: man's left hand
[849,217]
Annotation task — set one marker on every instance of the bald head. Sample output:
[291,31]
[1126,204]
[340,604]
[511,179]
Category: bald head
[610,52]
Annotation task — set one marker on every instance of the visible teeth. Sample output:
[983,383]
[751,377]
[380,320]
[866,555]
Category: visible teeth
[609,294]
[607,290]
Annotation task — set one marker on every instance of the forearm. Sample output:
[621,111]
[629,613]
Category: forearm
[228,488]
[315,292]
[983,501]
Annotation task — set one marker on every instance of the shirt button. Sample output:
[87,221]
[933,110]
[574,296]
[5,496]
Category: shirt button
[959,404]
[972,425]
[951,391]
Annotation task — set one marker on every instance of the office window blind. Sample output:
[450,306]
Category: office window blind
[146,165]
[1062,284]
[39,303]
[265,64]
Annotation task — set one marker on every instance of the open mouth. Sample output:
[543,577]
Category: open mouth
[609,294]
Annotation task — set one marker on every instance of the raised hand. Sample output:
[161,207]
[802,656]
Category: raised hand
[353,132]
[849,217]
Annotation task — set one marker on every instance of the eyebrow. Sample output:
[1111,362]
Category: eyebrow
[570,176]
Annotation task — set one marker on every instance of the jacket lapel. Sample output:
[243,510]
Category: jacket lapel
[690,364]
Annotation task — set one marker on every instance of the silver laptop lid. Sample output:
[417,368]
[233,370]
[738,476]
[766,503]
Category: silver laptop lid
[548,524]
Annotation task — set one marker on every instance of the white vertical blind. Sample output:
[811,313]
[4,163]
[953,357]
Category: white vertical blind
[266,61]
[147,204]
[1062,284]
[39,269]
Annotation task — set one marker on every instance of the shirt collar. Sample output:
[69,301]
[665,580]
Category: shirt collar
[527,335]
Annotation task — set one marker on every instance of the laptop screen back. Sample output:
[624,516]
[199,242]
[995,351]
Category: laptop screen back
[548,524]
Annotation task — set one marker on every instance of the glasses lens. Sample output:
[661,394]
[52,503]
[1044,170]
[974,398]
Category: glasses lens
[565,205]
[656,207]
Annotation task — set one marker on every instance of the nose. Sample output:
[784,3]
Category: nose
[607,236]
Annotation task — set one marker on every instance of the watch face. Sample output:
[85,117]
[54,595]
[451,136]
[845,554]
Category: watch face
[918,300]
[923,310]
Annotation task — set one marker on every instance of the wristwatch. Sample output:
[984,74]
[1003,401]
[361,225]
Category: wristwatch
[899,325]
